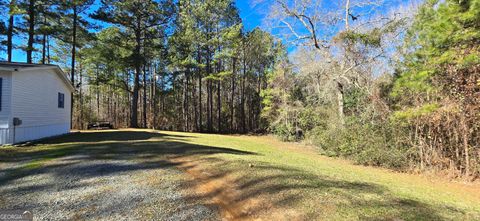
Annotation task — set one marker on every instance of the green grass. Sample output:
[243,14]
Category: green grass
[287,175]
[334,189]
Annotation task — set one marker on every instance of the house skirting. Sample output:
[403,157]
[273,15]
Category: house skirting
[27,133]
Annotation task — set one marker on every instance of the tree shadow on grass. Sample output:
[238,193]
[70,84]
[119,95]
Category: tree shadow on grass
[110,136]
[112,145]
[320,197]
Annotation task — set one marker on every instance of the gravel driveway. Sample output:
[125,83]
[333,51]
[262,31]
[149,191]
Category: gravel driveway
[106,185]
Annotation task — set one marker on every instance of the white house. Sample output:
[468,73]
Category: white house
[34,102]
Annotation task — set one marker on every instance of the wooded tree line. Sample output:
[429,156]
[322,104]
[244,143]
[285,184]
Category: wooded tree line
[385,83]
[178,65]
[399,89]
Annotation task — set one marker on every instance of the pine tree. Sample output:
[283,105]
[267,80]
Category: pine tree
[138,18]
[438,81]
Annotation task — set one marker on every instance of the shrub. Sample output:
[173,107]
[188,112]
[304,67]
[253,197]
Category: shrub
[367,144]
[285,132]
[293,124]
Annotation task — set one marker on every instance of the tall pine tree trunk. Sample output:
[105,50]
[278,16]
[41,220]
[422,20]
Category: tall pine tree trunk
[209,93]
[200,122]
[134,104]
[44,49]
[251,112]
[184,104]
[259,103]
[195,104]
[10,32]
[162,96]
[153,103]
[136,80]
[209,105]
[219,106]
[48,49]
[44,42]
[31,30]
[242,97]
[144,103]
[74,51]
[199,72]
[232,107]
[97,91]
[80,97]
[187,118]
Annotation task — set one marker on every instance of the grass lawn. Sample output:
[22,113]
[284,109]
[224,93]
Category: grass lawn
[248,177]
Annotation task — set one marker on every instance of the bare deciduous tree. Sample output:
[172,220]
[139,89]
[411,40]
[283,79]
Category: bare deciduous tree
[341,59]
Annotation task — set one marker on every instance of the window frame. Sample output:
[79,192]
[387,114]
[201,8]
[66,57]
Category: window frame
[61,100]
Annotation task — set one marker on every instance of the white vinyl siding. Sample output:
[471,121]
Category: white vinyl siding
[36,98]
[5,112]
[35,102]
[32,96]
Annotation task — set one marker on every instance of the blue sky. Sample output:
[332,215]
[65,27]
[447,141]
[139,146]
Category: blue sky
[250,15]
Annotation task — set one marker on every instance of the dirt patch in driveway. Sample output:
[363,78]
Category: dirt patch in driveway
[221,191]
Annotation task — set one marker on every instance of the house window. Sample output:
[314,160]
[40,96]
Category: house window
[61,100]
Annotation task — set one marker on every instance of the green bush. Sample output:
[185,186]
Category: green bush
[285,132]
[299,122]
[310,118]
[364,143]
